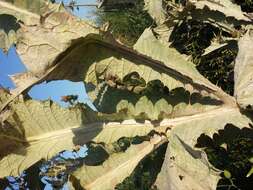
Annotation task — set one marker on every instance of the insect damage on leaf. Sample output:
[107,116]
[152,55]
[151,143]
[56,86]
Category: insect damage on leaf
[145,96]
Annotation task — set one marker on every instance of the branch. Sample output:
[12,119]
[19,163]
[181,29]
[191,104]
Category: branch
[82,5]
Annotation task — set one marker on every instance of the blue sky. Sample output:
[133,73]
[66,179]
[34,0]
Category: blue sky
[83,12]
[10,63]
[55,89]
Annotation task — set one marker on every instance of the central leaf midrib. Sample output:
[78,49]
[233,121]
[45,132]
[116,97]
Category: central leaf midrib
[167,123]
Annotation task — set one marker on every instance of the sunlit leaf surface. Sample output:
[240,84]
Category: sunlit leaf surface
[145,97]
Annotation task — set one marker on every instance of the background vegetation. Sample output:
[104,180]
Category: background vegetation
[192,37]
[126,23]
[231,151]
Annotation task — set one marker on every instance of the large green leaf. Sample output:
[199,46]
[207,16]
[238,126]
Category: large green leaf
[113,61]
[115,169]
[34,130]
[187,167]
[118,76]
[170,58]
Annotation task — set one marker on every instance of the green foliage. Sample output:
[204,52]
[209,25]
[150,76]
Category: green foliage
[230,150]
[227,174]
[126,24]
[246,5]
[146,172]
[192,37]
[218,67]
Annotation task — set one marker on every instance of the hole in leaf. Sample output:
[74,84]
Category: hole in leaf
[10,64]
[8,23]
[64,92]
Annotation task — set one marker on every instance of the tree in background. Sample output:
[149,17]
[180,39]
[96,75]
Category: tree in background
[126,23]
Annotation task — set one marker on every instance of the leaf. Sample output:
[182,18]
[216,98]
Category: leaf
[14,11]
[243,72]
[153,85]
[223,14]
[135,104]
[168,56]
[31,124]
[183,159]
[40,36]
[113,68]
[250,172]
[48,32]
[4,95]
[215,46]
[106,65]
[226,7]
[37,6]
[172,59]
[116,168]
[36,130]
[227,174]
[156,11]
